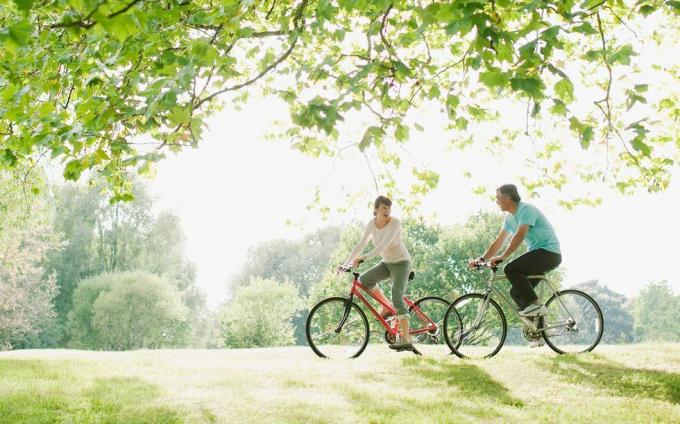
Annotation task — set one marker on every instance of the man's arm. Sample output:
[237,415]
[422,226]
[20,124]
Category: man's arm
[515,242]
[495,245]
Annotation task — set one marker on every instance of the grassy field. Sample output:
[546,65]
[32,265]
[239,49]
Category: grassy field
[639,383]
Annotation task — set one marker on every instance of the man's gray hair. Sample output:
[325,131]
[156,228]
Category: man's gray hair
[510,190]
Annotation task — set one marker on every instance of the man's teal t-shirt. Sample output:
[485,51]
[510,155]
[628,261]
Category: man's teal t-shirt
[540,235]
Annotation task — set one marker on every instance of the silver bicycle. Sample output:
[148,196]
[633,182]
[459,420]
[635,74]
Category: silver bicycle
[478,327]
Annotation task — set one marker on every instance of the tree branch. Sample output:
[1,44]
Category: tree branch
[298,29]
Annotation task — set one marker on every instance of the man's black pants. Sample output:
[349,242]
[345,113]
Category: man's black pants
[535,262]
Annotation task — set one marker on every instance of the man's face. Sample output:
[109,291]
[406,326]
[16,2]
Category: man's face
[383,211]
[504,202]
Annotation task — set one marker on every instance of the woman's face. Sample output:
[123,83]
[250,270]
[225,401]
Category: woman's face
[382,211]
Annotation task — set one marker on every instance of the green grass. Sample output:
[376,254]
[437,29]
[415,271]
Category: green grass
[639,383]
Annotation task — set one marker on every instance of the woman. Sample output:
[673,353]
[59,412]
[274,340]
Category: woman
[385,232]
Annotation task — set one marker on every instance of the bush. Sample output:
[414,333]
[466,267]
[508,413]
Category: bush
[127,310]
[260,314]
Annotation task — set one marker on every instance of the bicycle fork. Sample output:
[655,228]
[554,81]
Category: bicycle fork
[348,307]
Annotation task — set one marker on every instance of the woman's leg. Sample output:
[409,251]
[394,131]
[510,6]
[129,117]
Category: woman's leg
[370,279]
[399,273]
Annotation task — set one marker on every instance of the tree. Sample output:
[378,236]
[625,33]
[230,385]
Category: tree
[139,311]
[260,314]
[97,83]
[301,262]
[26,293]
[655,310]
[129,310]
[101,237]
[618,321]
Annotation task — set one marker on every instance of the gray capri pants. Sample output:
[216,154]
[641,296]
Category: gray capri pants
[398,272]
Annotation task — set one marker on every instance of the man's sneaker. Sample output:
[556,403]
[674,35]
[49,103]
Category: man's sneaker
[537,343]
[533,311]
[401,344]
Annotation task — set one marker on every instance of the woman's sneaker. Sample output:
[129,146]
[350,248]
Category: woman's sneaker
[533,311]
[401,344]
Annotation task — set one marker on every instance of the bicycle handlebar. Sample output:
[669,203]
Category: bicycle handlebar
[348,269]
[487,264]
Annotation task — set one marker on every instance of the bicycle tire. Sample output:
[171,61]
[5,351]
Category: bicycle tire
[454,309]
[337,310]
[599,315]
[423,303]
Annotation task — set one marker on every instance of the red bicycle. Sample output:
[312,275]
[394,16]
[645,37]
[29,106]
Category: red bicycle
[338,328]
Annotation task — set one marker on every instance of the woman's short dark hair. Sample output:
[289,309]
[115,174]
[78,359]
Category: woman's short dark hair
[381,200]
[510,190]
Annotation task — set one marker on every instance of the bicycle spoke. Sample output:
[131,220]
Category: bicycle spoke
[483,339]
[322,326]
[427,311]
[574,322]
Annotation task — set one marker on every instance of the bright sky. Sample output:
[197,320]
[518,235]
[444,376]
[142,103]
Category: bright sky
[237,190]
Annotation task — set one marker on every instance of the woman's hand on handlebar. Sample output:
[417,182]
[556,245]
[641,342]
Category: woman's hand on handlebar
[356,262]
[496,260]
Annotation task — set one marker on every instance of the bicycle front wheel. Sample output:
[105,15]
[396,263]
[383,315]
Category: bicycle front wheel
[482,328]
[427,323]
[328,338]
[574,322]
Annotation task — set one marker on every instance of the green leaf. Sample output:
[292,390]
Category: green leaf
[21,32]
[585,28]
[434,92]
[587,136]
[73,170]
[372,135]
[646,10]
[565,90]
[452,101]
[622,55]
[24,5]
[558,108]
[641,88]
[504,52]
[494,79]
[401,132]
[641,146]
[531,86]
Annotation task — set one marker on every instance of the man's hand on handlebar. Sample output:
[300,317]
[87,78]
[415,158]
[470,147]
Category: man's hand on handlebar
[475,263]
[480,262]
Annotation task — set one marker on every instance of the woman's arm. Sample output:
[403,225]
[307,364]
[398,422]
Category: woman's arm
[359,247]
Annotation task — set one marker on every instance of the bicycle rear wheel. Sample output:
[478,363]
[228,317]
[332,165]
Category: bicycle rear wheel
[325,336]
[476,335]
[574,322]
[430,336]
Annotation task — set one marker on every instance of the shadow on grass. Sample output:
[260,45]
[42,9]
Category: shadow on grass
[441,390]
[33,391]
[597,371]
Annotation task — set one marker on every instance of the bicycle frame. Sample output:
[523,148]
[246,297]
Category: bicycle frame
[393,329]
[491,289]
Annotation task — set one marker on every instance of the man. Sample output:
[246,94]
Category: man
[525,223]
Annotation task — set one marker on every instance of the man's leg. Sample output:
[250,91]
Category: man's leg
[534,262]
